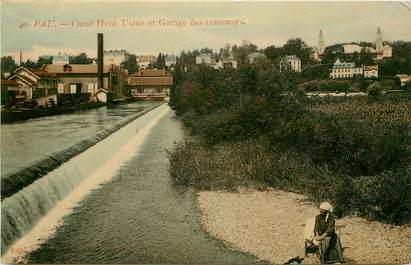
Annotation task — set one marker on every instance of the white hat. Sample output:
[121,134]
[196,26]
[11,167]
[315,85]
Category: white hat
[326,206]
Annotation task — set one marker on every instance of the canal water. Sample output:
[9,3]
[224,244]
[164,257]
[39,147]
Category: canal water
[24,143]
[136,216]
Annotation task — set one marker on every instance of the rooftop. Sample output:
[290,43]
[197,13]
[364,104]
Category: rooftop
[149,77]
[74,68]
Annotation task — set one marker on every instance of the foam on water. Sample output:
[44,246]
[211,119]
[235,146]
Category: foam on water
[32,215]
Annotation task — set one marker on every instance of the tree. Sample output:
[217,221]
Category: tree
[299,48]
[160,63]
[80,59]
[29,64]
[331,53]
[8,65]
[316,71]
[130,64]
[273,53]
[374,90]
[41,61]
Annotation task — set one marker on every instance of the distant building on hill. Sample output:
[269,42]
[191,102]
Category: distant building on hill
[60,60]
[146,61]
[382,51]
[170,60]
[293,62]
[370,71]
[115,56]
[204,58]
[404,78]
[344,70]
[253,56]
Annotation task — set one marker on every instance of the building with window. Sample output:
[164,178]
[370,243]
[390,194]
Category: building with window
[26,79]
[370,71]
[344,70]
[204,58]
[82,78]
[403,78]
[146,61]
[60,60]
[115,57]
[170,60]
[293,62]
[148,83]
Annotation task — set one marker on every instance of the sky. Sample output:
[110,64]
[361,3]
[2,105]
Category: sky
[262,23]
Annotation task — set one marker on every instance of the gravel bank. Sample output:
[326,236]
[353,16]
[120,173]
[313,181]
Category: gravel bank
[270,226]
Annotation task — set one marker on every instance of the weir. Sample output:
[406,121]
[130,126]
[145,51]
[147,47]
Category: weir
[16,181]
[23,209]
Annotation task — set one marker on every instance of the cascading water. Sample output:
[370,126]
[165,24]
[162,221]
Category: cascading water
[23,209]
[13,182]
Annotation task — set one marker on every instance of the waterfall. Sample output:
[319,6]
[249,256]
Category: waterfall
[69,182]
[14,182]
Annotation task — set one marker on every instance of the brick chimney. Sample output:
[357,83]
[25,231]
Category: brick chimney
[100,61]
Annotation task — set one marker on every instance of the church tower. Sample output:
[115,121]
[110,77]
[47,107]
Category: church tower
[321,43]
[378,41]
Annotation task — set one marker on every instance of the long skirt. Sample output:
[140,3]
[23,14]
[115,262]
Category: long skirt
[330,250]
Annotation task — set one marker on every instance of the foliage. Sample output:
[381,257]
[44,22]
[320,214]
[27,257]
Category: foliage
[375,89]
[326,86]
[160,63]
[130,64]
[80,59]
[8,65]
[42,61]
[248,131]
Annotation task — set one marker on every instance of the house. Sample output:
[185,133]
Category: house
[253,56]
[170,60]
[145,61]
[10,93]
[345,70]
[225,63]
[60,60]
[293,62]
[404,79]
[370,71]
[204,58]
[82,78]
[26,79]
[115,56]
[148,83]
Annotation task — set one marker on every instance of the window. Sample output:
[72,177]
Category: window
[73,88]
[60,88]
[90,88]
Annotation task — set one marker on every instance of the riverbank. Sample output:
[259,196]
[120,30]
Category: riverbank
[269,224]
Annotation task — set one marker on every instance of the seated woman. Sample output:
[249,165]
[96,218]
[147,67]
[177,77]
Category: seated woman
[324,232]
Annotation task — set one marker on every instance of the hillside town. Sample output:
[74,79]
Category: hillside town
[67,80]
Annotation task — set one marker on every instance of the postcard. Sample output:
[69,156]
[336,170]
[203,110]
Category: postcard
[205,132]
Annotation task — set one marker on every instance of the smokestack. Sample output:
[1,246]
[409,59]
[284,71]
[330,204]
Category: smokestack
[100,61]
[21,58]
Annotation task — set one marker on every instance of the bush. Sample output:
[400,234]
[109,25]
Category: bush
[374,90]
[326,86]
[229,166]
[386,197]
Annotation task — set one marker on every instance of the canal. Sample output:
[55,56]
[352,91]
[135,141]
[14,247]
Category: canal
[24,143]
[138,215]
